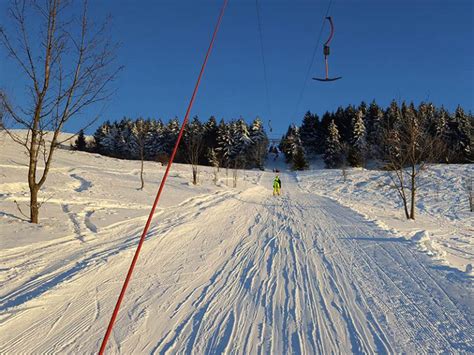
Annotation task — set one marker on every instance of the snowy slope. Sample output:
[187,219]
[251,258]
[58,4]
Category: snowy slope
[444,226]
[223,270]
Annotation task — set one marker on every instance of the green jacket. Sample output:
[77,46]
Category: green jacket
[277,183]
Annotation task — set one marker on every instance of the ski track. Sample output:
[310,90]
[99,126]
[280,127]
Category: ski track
[236,273]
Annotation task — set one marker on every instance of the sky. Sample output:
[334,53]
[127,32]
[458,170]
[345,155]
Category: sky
[414,50]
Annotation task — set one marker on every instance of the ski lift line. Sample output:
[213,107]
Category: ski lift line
[300,97]
[265,72]
[163,182]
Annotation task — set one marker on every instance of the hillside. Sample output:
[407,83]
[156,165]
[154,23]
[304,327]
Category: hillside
[329,266]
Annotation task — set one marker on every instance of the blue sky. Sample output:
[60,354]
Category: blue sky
[407,50]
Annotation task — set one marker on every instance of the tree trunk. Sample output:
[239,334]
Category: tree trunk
[141,176]
[34,206]
[195,172]
[413,192]
[402,193]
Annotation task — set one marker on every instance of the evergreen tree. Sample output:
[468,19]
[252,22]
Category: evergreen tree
[258,150]
[333,155]
[290,142]
[99,137]
[363,107]
[170,135]
[324,131]
[112,142]
[309,132]
[210,138]
[345,126]
[128,149]
[358,150]
[463,125]
[80,143]
[441,126]
[299,160]
[154,140]
[242,140]
[393,115]
[374,123]
[225,143]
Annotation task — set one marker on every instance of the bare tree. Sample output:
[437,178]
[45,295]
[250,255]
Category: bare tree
[238,162]
[140,131]
[194,144]
[411,147]
[68,64]
[214,160]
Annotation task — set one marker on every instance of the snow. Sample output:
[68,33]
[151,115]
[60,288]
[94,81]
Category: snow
[328,267]
[443,214]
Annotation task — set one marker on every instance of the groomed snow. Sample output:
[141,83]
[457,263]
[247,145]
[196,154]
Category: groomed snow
[442,217]
[228,270]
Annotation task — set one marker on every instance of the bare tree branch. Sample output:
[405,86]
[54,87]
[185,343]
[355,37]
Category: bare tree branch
[70,67]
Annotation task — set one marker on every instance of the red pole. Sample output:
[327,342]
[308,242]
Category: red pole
[162,185]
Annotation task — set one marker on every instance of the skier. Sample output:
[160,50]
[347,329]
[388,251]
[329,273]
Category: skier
[276,186]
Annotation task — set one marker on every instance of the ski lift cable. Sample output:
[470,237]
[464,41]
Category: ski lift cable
[163,182]
[265,71]
[310,66]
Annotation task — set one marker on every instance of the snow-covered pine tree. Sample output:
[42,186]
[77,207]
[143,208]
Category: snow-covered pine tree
[358,149]
[242,143]
[128,149]
[99,135]
[299,160]
[323,131]
[209,139]
[288,144]
[154,139]
[363,107]
[392,115]
[309,133]
[463,130]
[441,125]
[258,149]
[345,125]
[342,124]
[170,135]
[242,136]
[391,131]
[426,113]
[374,121]
[112,142]
[225,143]
[333,155]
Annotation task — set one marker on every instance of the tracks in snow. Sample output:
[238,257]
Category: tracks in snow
[244,273]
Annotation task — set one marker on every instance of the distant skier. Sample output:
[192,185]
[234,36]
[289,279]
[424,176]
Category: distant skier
[276,186]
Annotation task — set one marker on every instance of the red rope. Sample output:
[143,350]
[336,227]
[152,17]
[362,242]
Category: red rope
[150,217]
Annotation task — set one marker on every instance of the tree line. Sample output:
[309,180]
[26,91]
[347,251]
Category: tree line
[355,134]
[233,144]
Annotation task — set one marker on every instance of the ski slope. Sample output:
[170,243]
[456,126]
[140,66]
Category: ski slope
[223,270]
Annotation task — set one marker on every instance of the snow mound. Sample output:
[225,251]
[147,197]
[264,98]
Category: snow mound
[427,244]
